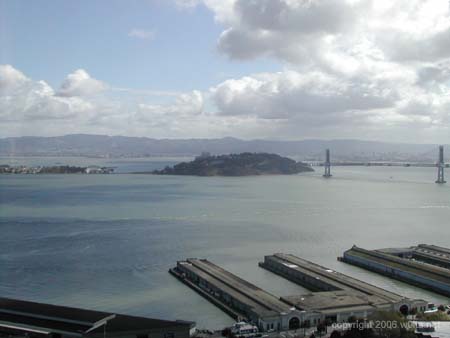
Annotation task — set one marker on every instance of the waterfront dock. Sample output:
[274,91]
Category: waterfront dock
[425,266]
[311,275]
[237,297]
[337,295]
[432,254]
[337,298]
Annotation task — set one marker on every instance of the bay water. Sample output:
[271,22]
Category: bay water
[106,242]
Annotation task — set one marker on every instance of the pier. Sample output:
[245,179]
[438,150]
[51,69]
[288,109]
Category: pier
[237,297]
[425,266]
[337,297]
[432,254]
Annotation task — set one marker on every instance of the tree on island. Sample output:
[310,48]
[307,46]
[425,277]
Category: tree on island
[243,164]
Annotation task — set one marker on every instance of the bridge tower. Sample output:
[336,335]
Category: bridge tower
[441,165]
[327,164]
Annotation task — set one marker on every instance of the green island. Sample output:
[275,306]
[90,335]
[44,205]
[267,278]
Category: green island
[244,164]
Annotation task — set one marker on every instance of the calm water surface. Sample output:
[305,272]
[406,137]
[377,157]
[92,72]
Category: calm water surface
[106,242]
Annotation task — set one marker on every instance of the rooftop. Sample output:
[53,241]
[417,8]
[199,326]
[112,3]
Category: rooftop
[262,302]
[337,279]
[328,300]
[74,320]
[419,268]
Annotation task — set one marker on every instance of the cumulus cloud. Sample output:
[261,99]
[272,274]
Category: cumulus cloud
[142,34]
[185,105]
[319,104]
[80,83]
[10,78]
[298,30]
[374,69]
[22,99]
[31,107]
[34,107]
[290,94]
[370,65]
[289,30]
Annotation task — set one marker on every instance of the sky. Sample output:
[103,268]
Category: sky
[272,69]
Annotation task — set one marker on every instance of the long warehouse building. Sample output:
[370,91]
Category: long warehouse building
[421,266]
[426,253]
[337,296]
[237,297]
[20,318]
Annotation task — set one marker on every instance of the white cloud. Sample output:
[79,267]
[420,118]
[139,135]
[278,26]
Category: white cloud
[297,31]
[22,99]
[142,34]
[10,78]
[185,105]
[27,102]
[372,69]
[352,68]
[291,94]
[288,104]
[29,107]
[34,109]
[321,104]
[289,30]
[80,83]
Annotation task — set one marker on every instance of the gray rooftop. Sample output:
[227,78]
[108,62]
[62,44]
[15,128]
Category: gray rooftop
[329,300]
[339,280]
[262,302]
[419,268]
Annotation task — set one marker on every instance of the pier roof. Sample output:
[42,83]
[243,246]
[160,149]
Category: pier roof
[419,268]
[329,300]
[39,316]
[262,302]
[339,280]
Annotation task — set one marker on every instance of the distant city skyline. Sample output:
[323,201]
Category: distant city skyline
[271,69]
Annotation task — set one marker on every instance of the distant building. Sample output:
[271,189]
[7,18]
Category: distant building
[29,319]
[204,154]
[98,170]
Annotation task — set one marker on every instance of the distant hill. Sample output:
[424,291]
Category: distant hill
[122,146]
[244,164]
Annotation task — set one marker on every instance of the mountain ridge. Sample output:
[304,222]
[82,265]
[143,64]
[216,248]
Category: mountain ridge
[129,146]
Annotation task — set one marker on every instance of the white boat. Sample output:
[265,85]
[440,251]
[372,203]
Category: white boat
[431,310]
[244,329]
